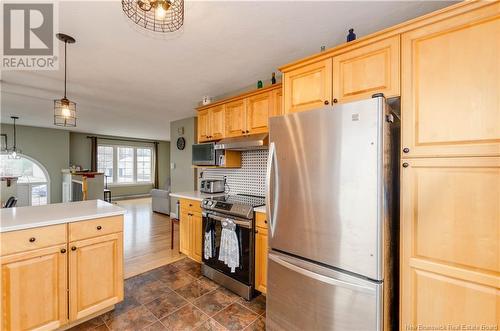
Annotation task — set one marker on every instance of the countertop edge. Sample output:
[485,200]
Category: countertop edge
[60,221]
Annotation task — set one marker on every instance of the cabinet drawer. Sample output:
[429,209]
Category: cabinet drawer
[95,227]
[25,240]
[191,205]
[261,220]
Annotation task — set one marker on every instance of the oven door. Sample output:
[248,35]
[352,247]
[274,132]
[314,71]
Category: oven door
[244,233]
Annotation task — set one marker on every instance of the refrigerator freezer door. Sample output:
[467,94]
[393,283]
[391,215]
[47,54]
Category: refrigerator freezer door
[304,296]
[325,193]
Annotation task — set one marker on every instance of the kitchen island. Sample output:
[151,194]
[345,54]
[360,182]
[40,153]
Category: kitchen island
[62,264]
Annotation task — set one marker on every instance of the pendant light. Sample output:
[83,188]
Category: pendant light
[14,152]
[155,15]
[65,109]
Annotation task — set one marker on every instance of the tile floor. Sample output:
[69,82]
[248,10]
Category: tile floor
[178,297]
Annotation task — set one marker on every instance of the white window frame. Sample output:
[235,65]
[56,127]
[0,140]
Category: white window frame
[114,181]
[111,182]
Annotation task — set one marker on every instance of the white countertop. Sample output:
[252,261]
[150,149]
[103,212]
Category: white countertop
[20,218]
[194,195]
[197,195]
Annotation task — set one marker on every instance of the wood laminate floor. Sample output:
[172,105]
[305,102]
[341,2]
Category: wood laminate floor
[146,238]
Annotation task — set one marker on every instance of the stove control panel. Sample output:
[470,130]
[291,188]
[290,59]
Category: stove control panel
[232,208]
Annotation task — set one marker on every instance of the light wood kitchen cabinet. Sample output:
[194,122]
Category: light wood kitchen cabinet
[203,125]
[60,274]
[197,231]
[261,252]
[308,87]
[240,115]
[34,289]
[236,118]
[277,109]
[450,241]
[217,122]
[450,86]
[95,274]
[211,123]
[259,108]
[184,232]
[364,71]
[191,229]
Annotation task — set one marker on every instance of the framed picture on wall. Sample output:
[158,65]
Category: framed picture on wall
[3,142]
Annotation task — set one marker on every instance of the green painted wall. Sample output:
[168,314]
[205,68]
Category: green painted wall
[183,174]
[80,155]
[50,147]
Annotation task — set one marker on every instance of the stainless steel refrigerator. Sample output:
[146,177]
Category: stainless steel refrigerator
[331,183]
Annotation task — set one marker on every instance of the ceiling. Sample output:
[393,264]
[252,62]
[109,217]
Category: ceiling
[129,82]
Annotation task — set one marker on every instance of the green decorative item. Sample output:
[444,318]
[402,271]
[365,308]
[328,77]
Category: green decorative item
[259,84]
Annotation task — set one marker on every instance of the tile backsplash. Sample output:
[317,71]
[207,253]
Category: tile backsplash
[249,179]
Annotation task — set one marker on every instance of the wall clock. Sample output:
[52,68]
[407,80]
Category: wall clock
[181,143]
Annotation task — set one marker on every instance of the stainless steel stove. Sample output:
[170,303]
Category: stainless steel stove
[239,210]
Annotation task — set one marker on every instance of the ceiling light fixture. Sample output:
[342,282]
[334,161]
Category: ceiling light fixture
[65,109]
[14,152]
[155,15]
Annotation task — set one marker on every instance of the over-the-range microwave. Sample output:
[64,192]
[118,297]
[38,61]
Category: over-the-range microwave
[206,155]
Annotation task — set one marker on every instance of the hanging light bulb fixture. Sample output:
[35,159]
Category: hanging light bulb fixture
[14,152]
[155,15]
[65,109]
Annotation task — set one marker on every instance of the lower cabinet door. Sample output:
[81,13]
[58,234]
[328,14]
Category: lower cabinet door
[95,274]
[34,290]
[261,260]
[197,232]
[184,237]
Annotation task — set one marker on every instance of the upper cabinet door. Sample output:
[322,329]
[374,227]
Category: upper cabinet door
[203,125]
[236,118]
[450,86]
[258,109]
[364,71]
[95,274]
[217,120]
[308,87]
[34,289]
[277,103]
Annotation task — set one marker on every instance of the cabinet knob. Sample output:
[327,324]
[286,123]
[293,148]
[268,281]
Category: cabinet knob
[405,165]
[335,101]
[242,131]
[327,102]
[73,248]
[32,239]
[63,250]
[99,227]
[406,150]
[248,131]
[256,231]
[265,221]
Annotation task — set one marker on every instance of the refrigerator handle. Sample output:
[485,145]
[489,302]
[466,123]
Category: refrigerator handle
[321,278]
[271,207]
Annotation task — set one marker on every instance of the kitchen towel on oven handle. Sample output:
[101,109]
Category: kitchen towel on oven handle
[209,243]
[229,252]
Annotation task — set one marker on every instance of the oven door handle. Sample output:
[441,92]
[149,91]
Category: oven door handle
[243,224]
